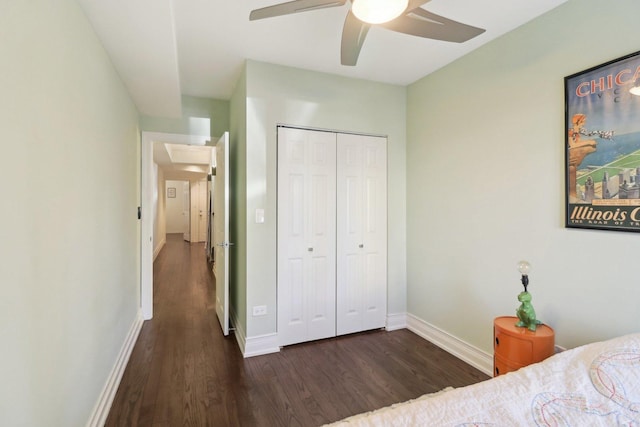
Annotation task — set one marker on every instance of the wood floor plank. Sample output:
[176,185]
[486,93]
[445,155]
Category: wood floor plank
[183,371]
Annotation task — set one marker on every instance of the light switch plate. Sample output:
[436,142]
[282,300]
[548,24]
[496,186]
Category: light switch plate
[259,216]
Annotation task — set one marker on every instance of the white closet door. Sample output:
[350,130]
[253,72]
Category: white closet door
[306,235]
[361,297]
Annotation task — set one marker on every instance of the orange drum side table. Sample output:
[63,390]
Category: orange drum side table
[516,347]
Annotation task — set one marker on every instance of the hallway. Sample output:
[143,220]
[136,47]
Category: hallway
[181,361]
[183,371]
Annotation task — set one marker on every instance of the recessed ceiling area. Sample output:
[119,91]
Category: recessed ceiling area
[183,162]
[167,48]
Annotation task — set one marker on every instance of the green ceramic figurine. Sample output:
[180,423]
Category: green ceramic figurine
[526,314]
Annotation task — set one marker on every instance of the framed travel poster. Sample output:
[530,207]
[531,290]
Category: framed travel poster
[602,118]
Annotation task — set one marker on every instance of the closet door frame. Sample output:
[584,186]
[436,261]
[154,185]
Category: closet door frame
[305,310]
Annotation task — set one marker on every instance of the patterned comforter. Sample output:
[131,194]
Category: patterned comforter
[594,385]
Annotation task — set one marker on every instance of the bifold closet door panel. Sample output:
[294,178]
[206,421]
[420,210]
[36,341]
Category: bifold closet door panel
[306,235]
[361,288]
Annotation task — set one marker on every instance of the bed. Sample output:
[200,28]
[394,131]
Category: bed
[594,385]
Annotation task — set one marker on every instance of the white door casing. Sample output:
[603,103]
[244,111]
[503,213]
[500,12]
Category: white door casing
[210,236]
[148,186]
[306,235]
[221,231]
[361,286]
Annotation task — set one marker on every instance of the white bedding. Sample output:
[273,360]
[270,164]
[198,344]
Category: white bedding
[593,385]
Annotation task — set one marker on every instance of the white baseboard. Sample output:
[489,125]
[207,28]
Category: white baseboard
[396,321]
[254,346]
[103,405]
[158,248]
[463,351]
[262,344]
[266,344]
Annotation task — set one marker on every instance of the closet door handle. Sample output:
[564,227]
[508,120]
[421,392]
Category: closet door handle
[361,245]
[310,249]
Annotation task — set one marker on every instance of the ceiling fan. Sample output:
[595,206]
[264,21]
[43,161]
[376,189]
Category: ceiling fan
[412,20]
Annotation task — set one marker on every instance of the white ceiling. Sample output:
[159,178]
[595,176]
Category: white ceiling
[139,37]
[165,48]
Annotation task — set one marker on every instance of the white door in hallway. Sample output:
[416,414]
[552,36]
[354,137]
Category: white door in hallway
[362,233]
[199,214]
[306,244]
[186,210]
[221,231]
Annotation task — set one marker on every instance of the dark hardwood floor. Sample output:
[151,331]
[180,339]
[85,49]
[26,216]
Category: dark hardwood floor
[184,372]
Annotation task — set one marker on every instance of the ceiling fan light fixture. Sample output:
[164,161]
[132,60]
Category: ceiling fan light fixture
[378,11]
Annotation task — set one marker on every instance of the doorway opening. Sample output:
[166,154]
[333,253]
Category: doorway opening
[200,169]
[173,157]
[178,208]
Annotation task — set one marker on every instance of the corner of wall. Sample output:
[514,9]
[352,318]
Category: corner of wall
[253,346]
[454,345]
[396,321]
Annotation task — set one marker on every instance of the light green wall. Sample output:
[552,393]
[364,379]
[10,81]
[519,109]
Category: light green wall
[485,172]
[216,110]
[281,95]
[69,251]
[238,204]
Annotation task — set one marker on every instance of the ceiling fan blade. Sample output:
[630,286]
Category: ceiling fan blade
[293,7]
[419,22]
[353,34]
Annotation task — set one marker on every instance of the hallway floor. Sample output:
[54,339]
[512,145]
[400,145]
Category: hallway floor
[184,372]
